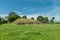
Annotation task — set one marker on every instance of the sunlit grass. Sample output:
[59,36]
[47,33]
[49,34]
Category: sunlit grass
[30,32]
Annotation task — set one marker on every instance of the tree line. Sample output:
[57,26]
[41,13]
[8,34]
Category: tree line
[12,16]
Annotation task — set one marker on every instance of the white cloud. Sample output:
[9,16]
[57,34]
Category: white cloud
[57,17]
[3,15]
[36,15]
[49,15]
[18,12]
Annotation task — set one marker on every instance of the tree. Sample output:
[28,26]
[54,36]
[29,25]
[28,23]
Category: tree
[12,16]
[52,20]
[3,21]
[24,17]
[32,18]
[0,21]
[40,18]
[46,20]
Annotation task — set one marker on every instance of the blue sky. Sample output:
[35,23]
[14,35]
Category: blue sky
[31,8]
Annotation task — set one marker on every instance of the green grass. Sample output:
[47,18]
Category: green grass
[30,32]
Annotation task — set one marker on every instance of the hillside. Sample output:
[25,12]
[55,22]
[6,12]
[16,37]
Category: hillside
[25,21]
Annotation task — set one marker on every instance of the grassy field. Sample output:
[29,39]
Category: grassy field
[30,32]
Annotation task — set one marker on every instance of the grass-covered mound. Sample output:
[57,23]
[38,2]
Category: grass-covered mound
[26,21]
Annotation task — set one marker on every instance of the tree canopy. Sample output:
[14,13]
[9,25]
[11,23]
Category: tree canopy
[12,16]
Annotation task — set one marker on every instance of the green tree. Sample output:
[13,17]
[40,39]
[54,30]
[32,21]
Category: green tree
[46,20]
[32,18]
[52,20]
[12,16]
[0,21]
[24,17]
[40,18]
[3,21]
